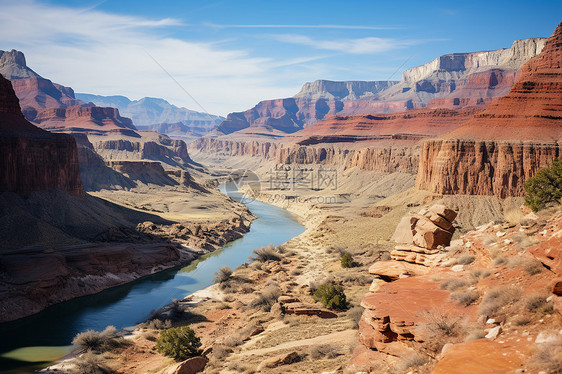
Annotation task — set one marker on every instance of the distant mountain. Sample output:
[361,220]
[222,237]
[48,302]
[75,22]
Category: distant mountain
[450,81]
[156,114]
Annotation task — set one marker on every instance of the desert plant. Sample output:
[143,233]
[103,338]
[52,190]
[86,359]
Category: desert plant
[498,297]
[441,328]
[346,260]
[547,357]
[355,314]
[98,341]
[475,335]
[89,363]
[500,260]
[266,299]
[179,343]
[532,266]
[322,351]
[331,295]
[479,274]
[267,253]
[466,297]
[410,361]
[539,304]
[545,187]
[465,259]
[453,284]
[222,275]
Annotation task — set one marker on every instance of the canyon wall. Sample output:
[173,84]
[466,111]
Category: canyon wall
[33,159]
[470,167]
[501,147]
[386,158]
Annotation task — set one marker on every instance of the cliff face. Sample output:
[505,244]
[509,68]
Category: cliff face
[33,159]
[374,158]
[494,153]
[85,119]
[455,80]
[481,167]
[348,90]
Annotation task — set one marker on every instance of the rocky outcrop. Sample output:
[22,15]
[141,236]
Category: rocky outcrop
[345,91]
[373,158]
[33,159]
[148,146]
[95,120]
[158,115]
[13,66]
[506,144]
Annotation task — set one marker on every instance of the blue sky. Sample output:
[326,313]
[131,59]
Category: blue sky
[230,54]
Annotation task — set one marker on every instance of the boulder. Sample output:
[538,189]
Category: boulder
[428,235]
[298,308]
[403,232]
[444,212]
[284,359]
[191,366]
[557,287]
[393,270]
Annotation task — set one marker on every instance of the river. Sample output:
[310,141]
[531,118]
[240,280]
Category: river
[36,341]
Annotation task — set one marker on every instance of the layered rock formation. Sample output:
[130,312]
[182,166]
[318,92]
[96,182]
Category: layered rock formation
[499,149]
[34,159]
[92,120]
[455,80]
[158,115]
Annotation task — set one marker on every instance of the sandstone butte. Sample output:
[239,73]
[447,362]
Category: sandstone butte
[508,142]
[34,159]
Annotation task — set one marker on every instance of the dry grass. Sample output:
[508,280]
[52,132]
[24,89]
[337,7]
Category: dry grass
[498,297]
[268,253]
[410,361]
[355,314]
[266,299]
[477,274]
[441,329]
[465,297]
[317,352]
[222,275]
[453,284]
[548,357]
[465,259]
[91,364]
[103,341]
[539,304]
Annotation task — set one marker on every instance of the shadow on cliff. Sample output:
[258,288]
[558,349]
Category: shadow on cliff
[54,218]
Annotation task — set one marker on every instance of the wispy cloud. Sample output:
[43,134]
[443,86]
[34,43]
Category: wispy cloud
[341,27]
[104,53]
[368,45]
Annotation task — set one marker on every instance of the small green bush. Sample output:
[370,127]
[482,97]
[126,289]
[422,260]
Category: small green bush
[545,187]
[347,260]
[179,343]
[331,295]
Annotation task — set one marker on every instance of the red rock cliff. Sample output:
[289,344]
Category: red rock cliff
[494,153]
[33,159]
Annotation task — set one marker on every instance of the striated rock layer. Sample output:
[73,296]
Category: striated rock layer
[33,159]
[494,153]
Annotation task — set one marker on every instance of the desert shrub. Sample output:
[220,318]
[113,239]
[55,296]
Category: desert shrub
[355,314]
[477,274]
[179,343]
[539,304]
[545,187]
[498,297]
[89,363]
[222,275]
[221,351]
[267,253]
[466,297]
[465,259]
[233,340]
[547,357]
[157,324]
[266,299]
[410,361]
[150,336]
[331,295]
[322,351]
[532,266]
[522,320]
[453,284]
[98,341]
[441,328]
[296,272]
[346,260]
[500,260]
